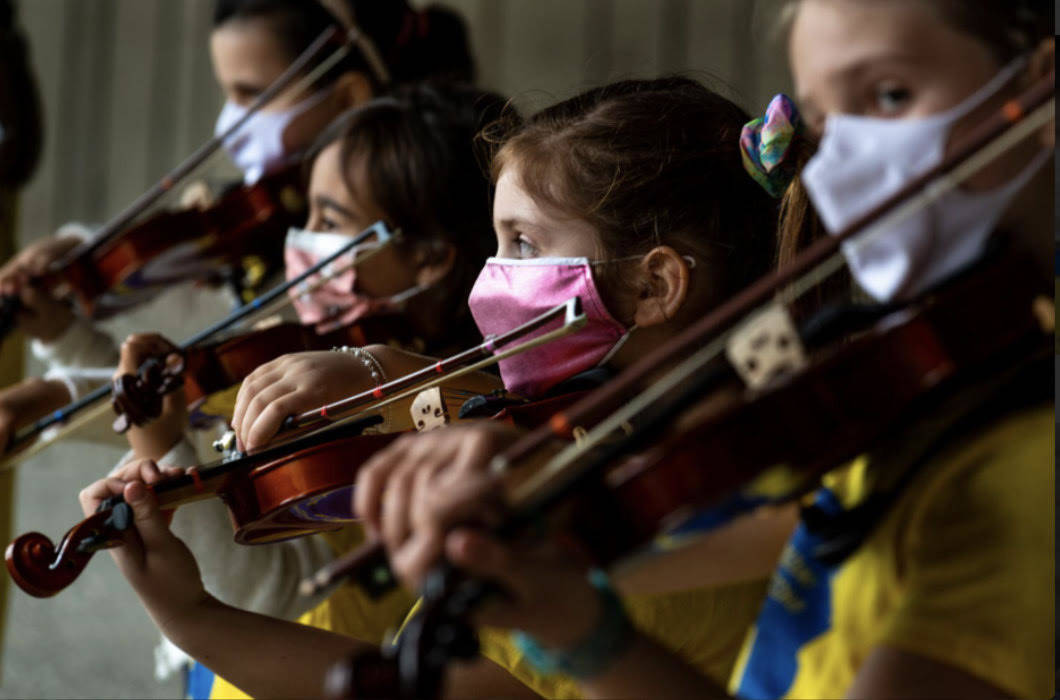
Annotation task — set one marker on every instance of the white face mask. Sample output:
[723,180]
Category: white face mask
[336,302]
[862,161]
[257,147]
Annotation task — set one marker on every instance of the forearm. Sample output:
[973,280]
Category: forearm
[397,363]
[33,398]
[647,670]
[263,656]
[158,437]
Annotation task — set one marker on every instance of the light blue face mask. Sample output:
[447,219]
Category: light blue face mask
[258,147]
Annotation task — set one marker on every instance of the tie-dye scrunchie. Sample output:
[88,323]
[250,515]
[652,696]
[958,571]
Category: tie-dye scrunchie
[765,143]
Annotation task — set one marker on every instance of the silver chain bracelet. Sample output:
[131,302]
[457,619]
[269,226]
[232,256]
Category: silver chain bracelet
[375,370]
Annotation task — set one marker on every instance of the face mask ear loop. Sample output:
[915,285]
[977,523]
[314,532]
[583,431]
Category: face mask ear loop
[617,346]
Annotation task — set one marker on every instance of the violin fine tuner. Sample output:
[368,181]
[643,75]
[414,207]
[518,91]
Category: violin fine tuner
[226,443]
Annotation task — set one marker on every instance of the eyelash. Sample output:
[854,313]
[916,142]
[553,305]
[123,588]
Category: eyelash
[520,242]
[883,90]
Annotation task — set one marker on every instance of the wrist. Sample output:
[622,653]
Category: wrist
[594,652]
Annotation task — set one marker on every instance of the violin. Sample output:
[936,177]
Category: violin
[866,374]
[204,370]
[124,256]
[161,379]
[299,485]
[195,244]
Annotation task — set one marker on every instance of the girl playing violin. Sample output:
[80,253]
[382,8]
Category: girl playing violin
[945,593]
[408,159]
[652,223]
[252,43]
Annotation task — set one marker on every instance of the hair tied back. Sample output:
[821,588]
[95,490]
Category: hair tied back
[766,142]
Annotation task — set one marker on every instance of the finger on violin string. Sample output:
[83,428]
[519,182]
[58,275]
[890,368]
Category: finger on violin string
[268,423]
[264,376]
[139,347]
[254,402]
[95,493]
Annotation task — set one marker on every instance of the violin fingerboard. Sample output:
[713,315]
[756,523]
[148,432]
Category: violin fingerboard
[429,411]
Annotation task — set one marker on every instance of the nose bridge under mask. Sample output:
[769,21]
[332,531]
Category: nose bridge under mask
[861,161]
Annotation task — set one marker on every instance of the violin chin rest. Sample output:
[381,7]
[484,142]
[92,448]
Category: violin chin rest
[29,560]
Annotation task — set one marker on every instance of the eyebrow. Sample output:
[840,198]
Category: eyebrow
[863,64]
[246,88]
[325,202]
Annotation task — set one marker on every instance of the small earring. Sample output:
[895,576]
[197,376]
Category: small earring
[691,261]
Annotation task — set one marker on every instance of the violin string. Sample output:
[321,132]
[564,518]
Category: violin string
[282,302]
[1001,145]
[378,229]
[571,325]
[190,164]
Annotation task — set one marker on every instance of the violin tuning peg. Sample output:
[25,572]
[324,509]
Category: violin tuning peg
[428,410]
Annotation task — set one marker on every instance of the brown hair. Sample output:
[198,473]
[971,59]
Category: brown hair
[415,152]
[648,163]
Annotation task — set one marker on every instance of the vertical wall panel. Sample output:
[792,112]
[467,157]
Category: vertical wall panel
[597,33]
[636,40]
[710,51]
[546,64]
[130,115]
[128,86]
[45,22]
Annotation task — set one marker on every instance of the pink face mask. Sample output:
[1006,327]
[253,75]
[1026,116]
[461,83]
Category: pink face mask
[334,303]
[510,292]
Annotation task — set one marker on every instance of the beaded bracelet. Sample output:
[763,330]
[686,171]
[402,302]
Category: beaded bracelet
[595,653]
[375,370]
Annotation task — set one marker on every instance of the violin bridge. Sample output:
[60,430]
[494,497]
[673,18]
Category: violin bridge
[429,411]
[766,347]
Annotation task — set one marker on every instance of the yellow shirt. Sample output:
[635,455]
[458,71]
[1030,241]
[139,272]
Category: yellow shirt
[706,627]
[348,611]
[960,570]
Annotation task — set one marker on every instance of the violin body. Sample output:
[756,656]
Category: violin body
[210,368]
[310,491]
[186,245]
[855,394]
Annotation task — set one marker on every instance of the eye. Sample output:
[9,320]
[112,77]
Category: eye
[891,98]
[327,224]
[525,248]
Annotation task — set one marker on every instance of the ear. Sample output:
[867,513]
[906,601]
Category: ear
[663,287]
[433,266]
[353,88]
[1042,62]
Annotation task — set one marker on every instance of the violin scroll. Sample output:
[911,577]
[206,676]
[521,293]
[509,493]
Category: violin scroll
[41,569]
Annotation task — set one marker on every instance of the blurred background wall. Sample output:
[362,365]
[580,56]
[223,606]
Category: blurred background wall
[128,91]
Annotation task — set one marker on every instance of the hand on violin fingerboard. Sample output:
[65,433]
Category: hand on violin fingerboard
[159,567]
[155,438]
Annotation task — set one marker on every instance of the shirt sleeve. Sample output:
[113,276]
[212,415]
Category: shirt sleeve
[260,578]
[979,560]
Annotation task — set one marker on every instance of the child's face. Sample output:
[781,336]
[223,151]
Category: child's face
[525,229]
[334,209]
[890,59]
[247,58]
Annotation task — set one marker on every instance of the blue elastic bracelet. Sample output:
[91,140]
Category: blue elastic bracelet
[596,652]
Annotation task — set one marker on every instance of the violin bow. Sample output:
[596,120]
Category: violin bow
[43,569]
[1011,125]
[379,231]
